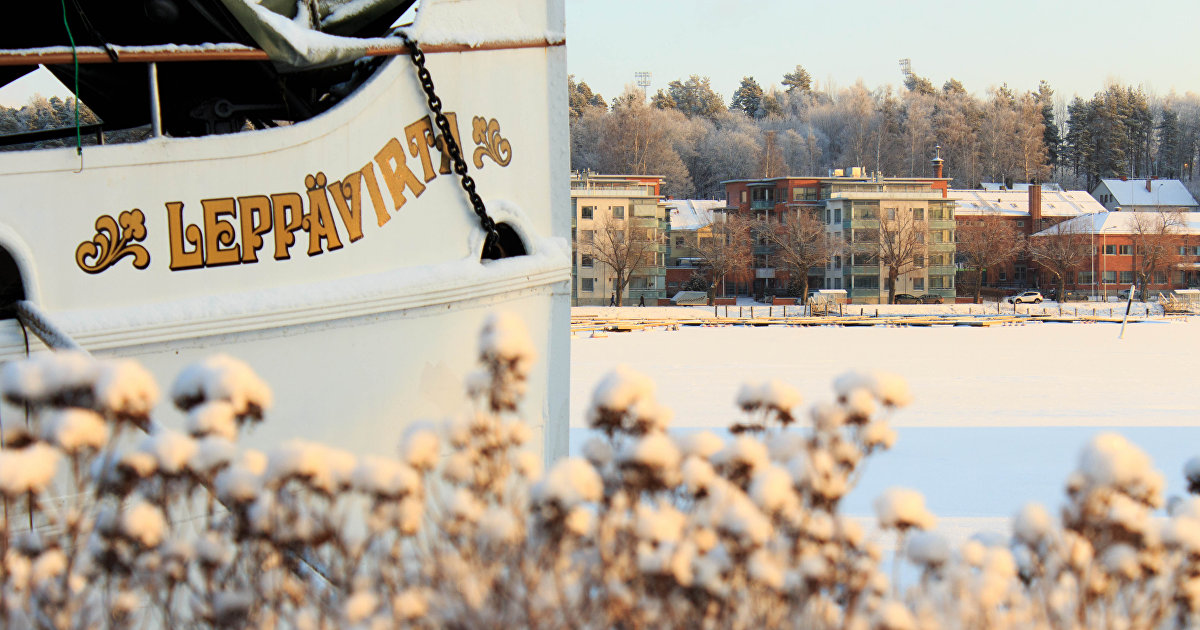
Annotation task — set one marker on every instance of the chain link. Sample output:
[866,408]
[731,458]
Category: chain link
[491,244]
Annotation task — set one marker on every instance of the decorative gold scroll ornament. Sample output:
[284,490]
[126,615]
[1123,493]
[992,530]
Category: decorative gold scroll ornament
[486,134]
[112,242]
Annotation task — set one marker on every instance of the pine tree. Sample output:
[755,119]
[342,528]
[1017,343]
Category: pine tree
[1051,139]
[695,97]
[798,80]
[748,97]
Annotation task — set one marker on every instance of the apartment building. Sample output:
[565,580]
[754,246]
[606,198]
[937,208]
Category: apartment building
[860,211]
[618,222]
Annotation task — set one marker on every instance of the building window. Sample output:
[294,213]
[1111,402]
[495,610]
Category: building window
[918,284]
[679,241]
[585,261]
[587,236]
[1003,276]
[918,214]
[618,212]
[918,261]
[1183,250]
[586,212]
[941,282]
[743,196]
[1109,250]
[837,283]
[891,214]
[837,216]
[1020,222]
[1126,250]
[1160,277]
[1196,250]
[587,285]
[1085,277]
[866,282]
[1109,277]
[1126,277]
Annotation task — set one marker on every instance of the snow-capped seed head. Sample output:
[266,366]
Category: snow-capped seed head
[359,606]
[1032,524]
[74,430]
[385,477]
[124,388]
[890,389]
[420,448]
[827,416]
[1110,460]
[144,524]
[698,474]
[500,526]
[903,509]
[779,396]
[597,451]
[743,451]
[655,451]
[213,417]
[212,454]
[569,482]
[703,444]
[505,338]
[877,434]
[928,549]
[771,489]
[619,393]
[171,450]
[222,377]
[410,604]
[43,377]
[859,405]
[27,470]
[322,467]
[893,615]
[528,464]
[764,567]
[661,524]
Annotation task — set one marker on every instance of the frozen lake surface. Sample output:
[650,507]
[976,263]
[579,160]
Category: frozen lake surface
[999,414]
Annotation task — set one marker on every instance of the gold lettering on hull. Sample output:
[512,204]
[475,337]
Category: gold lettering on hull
[233,230]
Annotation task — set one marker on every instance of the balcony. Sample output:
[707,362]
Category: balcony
[762,205]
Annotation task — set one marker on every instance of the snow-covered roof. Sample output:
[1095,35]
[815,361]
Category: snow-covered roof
[1022,187]
[1123,223]
[1162,192]
[1055,203]
[692,214]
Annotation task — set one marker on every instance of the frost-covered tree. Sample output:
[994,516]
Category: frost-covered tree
[1155,245]
[624,246]
[986,242]
[1061,251]
[799,244]
[727,250]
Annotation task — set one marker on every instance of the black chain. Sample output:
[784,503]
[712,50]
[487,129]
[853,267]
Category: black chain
[491,243]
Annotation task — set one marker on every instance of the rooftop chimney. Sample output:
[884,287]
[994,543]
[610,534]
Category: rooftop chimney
[1035,206]
[937,162]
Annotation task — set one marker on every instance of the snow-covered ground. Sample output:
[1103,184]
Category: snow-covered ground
[1000,413]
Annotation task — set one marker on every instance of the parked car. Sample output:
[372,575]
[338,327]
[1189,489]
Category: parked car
[907,298]
[1028,297]
[1123,294]
[930,298]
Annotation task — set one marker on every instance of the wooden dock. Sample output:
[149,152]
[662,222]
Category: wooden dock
[582,324]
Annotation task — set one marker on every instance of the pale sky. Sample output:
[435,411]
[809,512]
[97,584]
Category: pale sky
[1076,45]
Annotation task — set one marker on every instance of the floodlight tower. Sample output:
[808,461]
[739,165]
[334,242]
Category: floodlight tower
[643,81]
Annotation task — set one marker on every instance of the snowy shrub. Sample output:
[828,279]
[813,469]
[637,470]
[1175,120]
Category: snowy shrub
[113,521]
